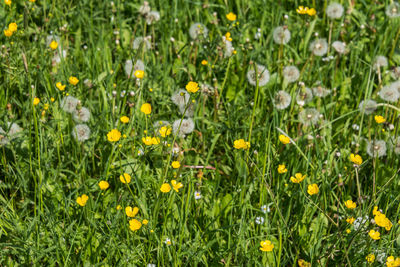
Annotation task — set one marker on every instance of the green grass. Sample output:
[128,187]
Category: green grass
[44,169]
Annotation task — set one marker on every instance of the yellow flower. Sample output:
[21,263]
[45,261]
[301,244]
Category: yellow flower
[231,16]
[125,178]
[303,263]
[73,80]
[82,200]
[356,159]
[165,188]
[131,212]
[139,74]
[204,62]
[32,1]
[155,140]
[350,220]
[392,262]
[228,36]
[147,140]
[374,235]
[165,131]
[284,139]
[379,119]
[145,222]
[114,135]
[282,168]
[381,220]
[36,101]
[60,86]
[124,119]
[7,33]
[348,231]
[266,245]
[52,99]
[370,258]
[13,27]
[192,87]
[350,204]
[298,177]
[7,2]
[302,10]
[312,189]
[175,164]
[146,108]
[311,12]
[103,185]
[241,144]
[46,106]
[135,225]
[53,45]
[176,185]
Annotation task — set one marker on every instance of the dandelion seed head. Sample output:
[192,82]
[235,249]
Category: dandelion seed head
[393,10]
[334,11]
[189,110]
[376,148]
[320,91]
[262,75]
[304,95]
[389,93]
[187,126]
[291,74]
[3,138]
[369,106]
[57,57]
[395,73]
[139,65]
[396,145]
[282,100]
[396,85]
[180,98]
[339,47]
[281,35]
[380,62]
[69,103]
[196,30]
[319,47]
[309,116]
[81,132]
[141,42]
[152,17]
[228,48]
[81,115]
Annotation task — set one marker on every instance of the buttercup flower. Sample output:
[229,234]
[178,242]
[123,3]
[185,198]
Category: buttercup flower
[36,101]
[155,140]
[131,212]
[103,185]
[374,235]
[303,263]
[165,131]
[350,220]
[165,188]
[175,164]
[176,186]
[147,140]
[298,177]
[266,246]
[241,144]
[284,139]
[114,135]
[350,204]
[139,74]
[82,200]
[124,119]
[204,62]
[7,2]
[125,178]
[145,222]
[73,80]
[392,262]
[356,159]
[312,189]
[282,168]
[134,225]
[13,27]
[379,119]
[302,10]
[192,87]
[146,108]
[8,33]
[53,45]
[231,16]
[370,258]
[60,86]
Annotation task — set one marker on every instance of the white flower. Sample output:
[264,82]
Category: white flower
[320,91]
[281,35]
[265,209]
[198,29]
[380,62]
[81,132]
[319,47]
[262,75]
[140,152]
[334,11]
[259,220]
[69,103]
[228,48]
[57,57]
[360,221]
[197,195]
[168,241]
[81,115]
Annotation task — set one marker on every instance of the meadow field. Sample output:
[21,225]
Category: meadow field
[200,133]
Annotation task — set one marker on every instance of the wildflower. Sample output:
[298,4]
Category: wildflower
[131,212]
[81,132]
[82,200]
[381,219]
[103,185]
[348,231]
[319,47]
[259,220]
[145,222]
[228,36]
[370,258]
[376,148]
[304,96]
[231,16]
[281,35]
[228,47]
[298,177]
[266,246]
[197,195]
[334,11]
[396,145]
[261,75]
[73,80]
[155,140]
[312,189]
[282,168]
[139,65]
[368,106]
[81,115]
[281,100]
[309,116]
[393,10]
[196,30]
[53,45]
[320,91]
[175,164]
[134,225]
[36,101]
[291,74]
[165,188]
[139,74]
[147,140]
[392,262]
[241,144]
[180,98]
[311,12]
[302,10]
[183,127]
[176,186]
[204,62]
[374,235]
[8,33]
[146,108]
[125,178]
[360,221]
[69,103]
[114,135]
[7,2]
[284,139]
[389,93]
[13,130]
[356,159]
[350,220]
[119,207]
[152,16]
[396,85]
[350,204]
[379,119]
[165,131]
[124,119]
[380,62]
[168,241]
[303,263]
[141,42]
[340,47]
[60,86]
[13,27]
[192,87]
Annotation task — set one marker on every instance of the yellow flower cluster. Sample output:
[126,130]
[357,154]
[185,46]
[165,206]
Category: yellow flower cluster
[12,27]
[284,139]
[381,219]
[241,144]
[305,10]
[375,235]
[356,159]
[266,246]
[165,131]
[297,178]
[392,262]
[165,188]
[81,200]
[148,140]
[379,119]
[350,204]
